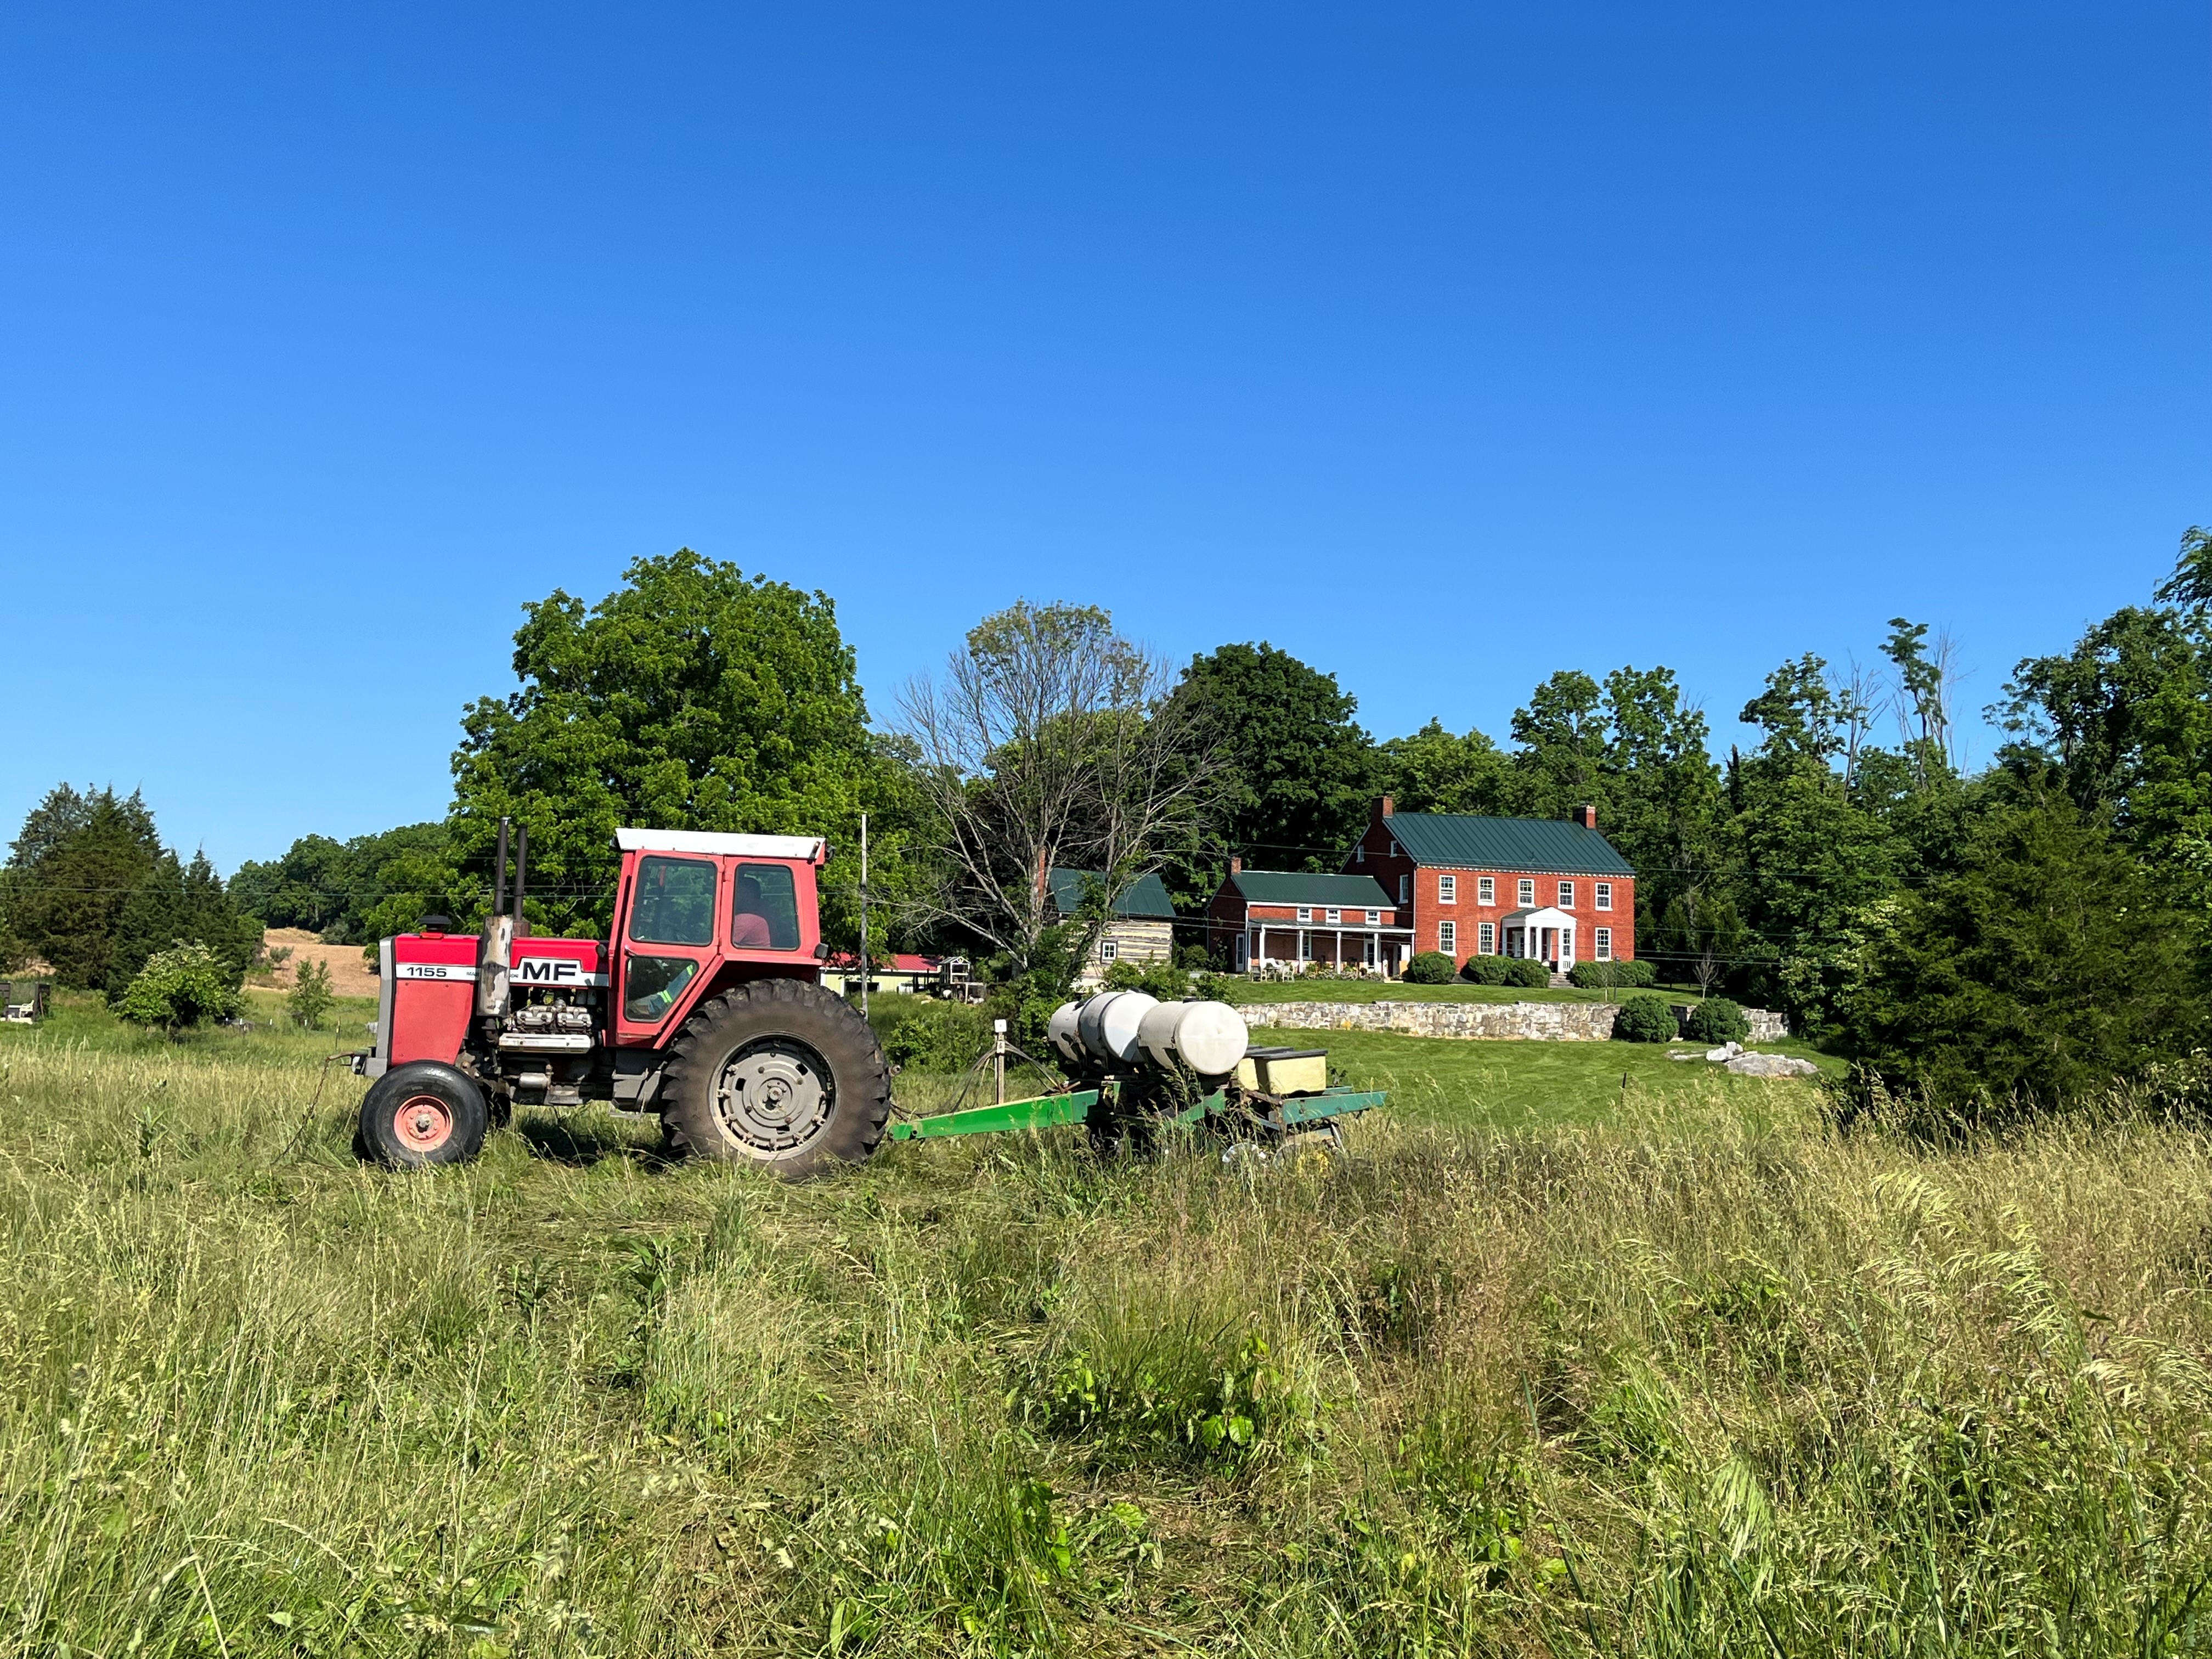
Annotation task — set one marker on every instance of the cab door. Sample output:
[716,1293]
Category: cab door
[667,943]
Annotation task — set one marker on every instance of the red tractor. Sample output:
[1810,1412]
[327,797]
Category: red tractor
[707,1008]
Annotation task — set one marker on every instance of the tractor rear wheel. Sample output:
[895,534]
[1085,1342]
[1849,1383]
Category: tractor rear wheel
[421,1114]
[779,1073]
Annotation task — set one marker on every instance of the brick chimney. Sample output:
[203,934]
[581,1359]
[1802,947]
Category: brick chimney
[1388,807]
[1236,866]
[1585,815]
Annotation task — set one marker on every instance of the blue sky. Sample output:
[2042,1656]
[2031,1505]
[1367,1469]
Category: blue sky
[1443,347]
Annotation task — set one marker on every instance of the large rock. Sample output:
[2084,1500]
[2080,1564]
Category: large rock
[1772,1066]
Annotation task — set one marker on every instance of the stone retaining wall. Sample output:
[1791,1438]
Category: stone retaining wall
[1542,1022]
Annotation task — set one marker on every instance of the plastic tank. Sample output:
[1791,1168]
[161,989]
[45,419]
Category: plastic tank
[1060,1032]
[1109,1024]
[1209,1037]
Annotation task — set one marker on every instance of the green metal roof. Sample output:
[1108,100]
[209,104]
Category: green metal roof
[1544,844]
[1296,887]
[1147,897]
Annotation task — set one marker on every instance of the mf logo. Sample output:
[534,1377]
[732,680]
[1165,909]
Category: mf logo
[551,970]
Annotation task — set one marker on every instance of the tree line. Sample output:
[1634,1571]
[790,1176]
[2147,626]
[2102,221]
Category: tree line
[2022,931]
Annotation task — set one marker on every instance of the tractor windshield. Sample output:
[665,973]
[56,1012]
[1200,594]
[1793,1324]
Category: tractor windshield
[675,902]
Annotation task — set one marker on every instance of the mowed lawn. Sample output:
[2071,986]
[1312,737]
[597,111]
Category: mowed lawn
[1452,1083]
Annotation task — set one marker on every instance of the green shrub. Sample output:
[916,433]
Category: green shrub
[1525,972]
[1717,1020]
[1645,1016]
[311,997]
[1483,970]
[1430,968]
[180,987]
[1155,979]
[927,1035]
[1637,975]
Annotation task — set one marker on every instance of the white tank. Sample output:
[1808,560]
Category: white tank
[1209,1037]
[1109,1022]
[1060,1032]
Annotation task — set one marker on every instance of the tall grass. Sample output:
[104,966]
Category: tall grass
[1669,1384]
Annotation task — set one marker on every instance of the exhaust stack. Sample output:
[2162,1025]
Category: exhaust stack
[496,946]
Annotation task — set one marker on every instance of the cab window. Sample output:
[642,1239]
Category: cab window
[674,903]
[764,909]
[653,984]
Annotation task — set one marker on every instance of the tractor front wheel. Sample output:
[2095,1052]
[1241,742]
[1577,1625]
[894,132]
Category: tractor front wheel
[779,1073]
[421,1114]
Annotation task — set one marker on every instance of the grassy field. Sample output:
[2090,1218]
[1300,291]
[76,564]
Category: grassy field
[1260,990]
[1656,1375]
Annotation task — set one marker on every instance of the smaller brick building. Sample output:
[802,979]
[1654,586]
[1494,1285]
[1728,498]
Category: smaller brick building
[1551,889]
[1290,918]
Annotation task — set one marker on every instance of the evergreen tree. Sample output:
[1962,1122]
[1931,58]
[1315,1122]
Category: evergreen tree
[181,904]
[71,875]
[2046,967]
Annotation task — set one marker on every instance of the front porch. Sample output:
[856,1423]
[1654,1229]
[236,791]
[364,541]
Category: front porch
[1545,934]
[1383,950]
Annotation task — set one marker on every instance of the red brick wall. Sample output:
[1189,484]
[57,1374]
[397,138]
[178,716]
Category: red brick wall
[1388,868]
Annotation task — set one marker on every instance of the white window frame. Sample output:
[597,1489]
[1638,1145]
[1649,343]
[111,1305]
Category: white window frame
[1528,890]
[1448,937]
[1405,889]
[1448,889]
[1359,852]
[1374,918]
[1485,939]
[1305,912]
[1602,944]
[1109,949]
[1604,900]
[1485,889]
[1336,918]
[1566,896]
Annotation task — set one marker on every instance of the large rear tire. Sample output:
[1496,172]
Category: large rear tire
[778,1073]
[421,1114]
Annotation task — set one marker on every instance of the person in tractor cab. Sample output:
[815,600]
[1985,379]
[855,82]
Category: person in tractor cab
[749,926]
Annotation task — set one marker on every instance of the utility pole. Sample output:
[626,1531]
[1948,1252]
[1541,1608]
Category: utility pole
[865,966]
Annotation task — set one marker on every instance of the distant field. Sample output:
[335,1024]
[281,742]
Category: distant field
[1454,1083]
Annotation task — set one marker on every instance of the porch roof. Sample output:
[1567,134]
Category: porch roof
[1542,915]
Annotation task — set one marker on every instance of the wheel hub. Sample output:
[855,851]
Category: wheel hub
[772,1097]
[424,1123]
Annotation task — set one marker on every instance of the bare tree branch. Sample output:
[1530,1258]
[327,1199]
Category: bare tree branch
[1050,741]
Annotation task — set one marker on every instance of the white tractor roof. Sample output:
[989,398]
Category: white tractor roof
[714,844]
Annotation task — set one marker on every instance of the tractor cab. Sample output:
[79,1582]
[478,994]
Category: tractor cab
[696,912]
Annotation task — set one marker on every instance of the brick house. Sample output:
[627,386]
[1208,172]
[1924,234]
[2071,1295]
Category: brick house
[1289,919]
[1553,889]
